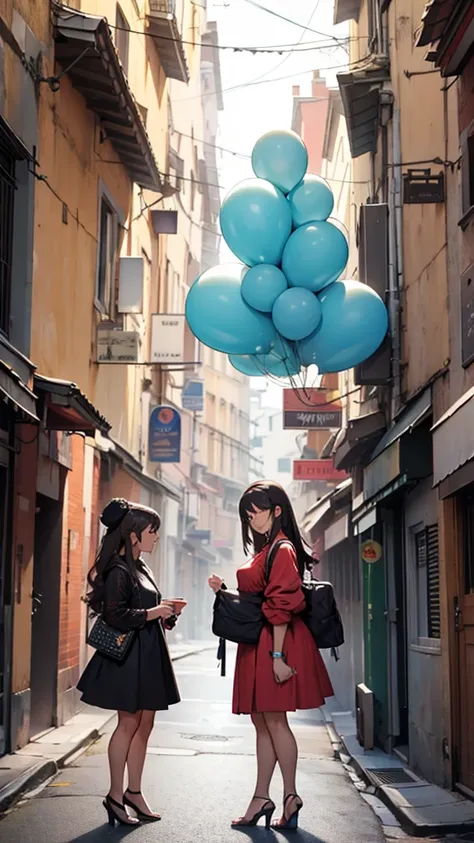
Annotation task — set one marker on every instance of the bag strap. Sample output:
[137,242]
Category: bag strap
[271,556]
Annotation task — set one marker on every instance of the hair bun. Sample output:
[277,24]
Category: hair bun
[114,513]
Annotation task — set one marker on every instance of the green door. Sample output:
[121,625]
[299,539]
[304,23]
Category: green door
[375,635]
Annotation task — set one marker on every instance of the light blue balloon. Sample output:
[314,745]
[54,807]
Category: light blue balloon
[315,255]
[353,326]
[248,364]
[256,222]
[296,313]
[281,362]
[284,361]
[220,318]
[262,285]
[281,157]
[311,200]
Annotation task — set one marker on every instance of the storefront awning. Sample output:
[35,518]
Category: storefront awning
[453,438]
[404,454]
[357,440]
[448,26]
[67,408]
[345,10]
[85,49]
[13,389]
[321,508]
[409,418]
[360,94]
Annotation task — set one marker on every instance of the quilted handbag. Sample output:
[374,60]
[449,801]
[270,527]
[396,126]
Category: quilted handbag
[111,642]
[114,643]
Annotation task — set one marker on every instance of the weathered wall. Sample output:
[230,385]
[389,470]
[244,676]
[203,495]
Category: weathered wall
[425,679]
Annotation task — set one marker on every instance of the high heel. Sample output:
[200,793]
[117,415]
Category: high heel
[267,810]
[143,818]
[109,804]
[290,822]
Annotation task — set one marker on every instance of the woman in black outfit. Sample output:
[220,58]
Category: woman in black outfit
[123,591]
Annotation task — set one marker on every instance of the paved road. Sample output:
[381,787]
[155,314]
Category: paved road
[199,774]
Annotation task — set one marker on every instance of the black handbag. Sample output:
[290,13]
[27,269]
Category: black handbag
[111,642]
[238,616]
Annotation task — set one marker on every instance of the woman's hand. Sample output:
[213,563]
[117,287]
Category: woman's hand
[165,610]
[215,583]
[281,671]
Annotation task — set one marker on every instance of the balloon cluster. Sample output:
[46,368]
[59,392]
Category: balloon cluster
[282,308]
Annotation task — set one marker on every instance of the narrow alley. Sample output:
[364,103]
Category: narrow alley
[200,774]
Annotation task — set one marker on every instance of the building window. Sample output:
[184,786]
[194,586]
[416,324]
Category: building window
[284,465]
[7,197]
[427,574]
[122,37]
[107,257]
[467,168]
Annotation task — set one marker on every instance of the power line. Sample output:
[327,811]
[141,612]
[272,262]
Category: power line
[259,81]
[274,48]
[285,59]
[293,22]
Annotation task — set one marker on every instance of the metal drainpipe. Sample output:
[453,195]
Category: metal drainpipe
[396,261]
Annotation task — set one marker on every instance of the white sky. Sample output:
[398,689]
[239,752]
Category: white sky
[252,110]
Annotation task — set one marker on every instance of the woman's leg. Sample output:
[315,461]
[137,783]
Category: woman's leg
[266,756]
[286,750]
[119,746]
[136,760]
[266,762]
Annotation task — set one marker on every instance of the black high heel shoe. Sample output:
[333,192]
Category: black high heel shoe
[109,804]
[267,810]
[143,818]
[290,822]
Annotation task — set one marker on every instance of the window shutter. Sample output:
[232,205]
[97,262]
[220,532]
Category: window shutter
[434,615]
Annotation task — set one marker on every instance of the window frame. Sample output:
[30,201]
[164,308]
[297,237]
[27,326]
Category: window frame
[429,535]
[122,37]
[107,308]
[8,179]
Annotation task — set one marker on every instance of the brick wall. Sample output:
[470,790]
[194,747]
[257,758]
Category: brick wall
[71,564]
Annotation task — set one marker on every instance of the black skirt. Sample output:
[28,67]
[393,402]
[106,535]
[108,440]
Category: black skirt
[145,680]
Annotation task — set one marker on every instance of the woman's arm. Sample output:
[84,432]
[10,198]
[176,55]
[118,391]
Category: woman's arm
[117,601]
[279,633]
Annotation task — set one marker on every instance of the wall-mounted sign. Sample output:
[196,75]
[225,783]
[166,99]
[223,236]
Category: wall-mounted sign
[370,551]
[310,409]
[167,338]
[164,436]
[116,346]
[193,395]
[321,470]
[421,187]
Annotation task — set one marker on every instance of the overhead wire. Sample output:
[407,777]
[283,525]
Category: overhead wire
[306,28]
[272,48]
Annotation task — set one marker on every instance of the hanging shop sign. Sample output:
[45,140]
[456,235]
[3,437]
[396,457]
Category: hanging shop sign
[421,187]
[370,551]
[115,346]
[193,395]
[167,338]
[310,409]
[164,435]
[315,470]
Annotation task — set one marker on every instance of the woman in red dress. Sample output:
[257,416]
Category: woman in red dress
[284,671]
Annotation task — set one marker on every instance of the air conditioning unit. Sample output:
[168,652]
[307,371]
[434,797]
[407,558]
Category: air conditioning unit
[365,716]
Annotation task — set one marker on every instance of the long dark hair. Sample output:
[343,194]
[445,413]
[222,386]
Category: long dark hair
[121,519]
[266,494]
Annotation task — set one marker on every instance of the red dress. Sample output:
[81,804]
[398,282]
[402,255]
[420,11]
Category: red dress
[255,687]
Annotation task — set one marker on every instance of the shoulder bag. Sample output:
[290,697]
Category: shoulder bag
[111,642]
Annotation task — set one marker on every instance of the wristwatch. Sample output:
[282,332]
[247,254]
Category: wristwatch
[276,655]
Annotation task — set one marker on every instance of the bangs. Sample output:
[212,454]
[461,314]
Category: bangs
[253,498]
[146,517]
